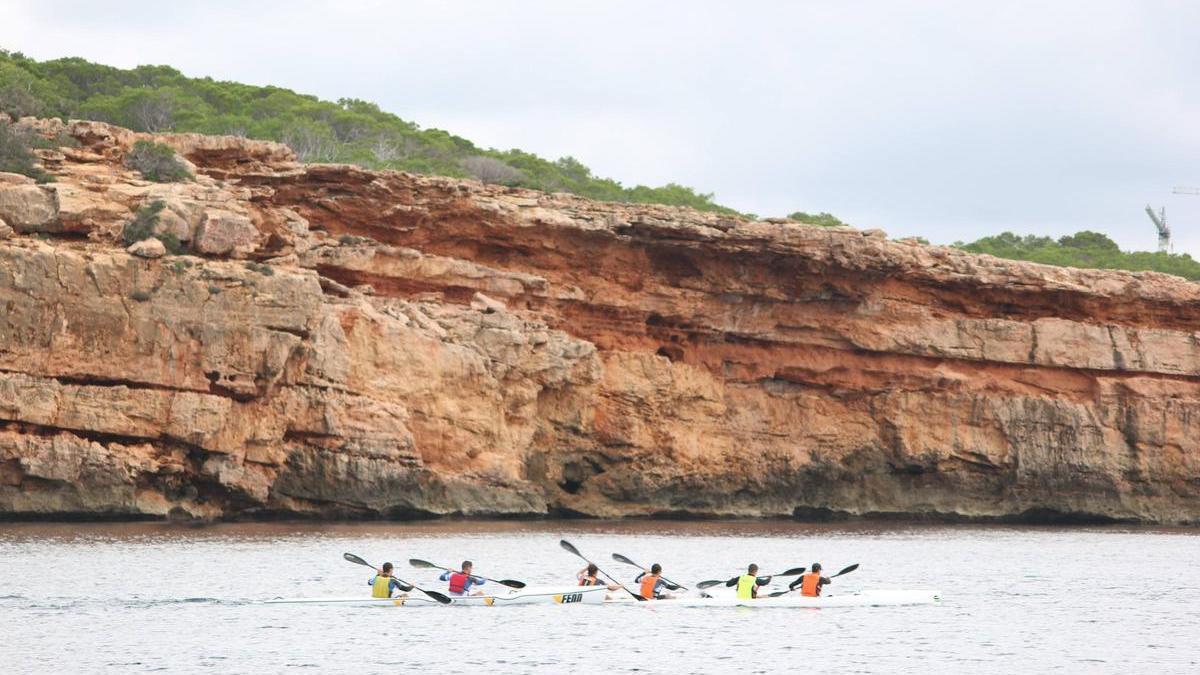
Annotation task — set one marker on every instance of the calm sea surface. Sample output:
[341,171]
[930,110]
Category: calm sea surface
[89,598]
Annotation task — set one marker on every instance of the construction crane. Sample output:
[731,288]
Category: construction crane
[1160,222]
[1186,191]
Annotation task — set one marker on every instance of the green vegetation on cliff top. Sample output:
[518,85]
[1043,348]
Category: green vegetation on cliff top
[161,99]
[1083,249]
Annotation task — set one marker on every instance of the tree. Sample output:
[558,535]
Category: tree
[390,149]
[311,141]
[150,111]
[491,170]
[821,219]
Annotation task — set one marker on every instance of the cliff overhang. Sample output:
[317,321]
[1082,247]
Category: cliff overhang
[336,342]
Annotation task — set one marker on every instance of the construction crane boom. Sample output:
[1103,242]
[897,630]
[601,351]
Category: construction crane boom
[1180,190]
[1160,222]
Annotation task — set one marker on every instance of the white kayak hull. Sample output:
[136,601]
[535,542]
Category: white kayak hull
[558,595]
[880,598]
[596,595]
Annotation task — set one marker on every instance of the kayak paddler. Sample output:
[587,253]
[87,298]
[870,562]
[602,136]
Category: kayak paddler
[651,584]
[590,576]
[462,582]
[810,584]
[383,583]
[748,583]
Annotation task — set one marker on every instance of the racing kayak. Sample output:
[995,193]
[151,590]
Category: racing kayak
[880,598]
[596,595]
[552,595]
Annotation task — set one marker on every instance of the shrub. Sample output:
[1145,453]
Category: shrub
[262,268]
[157,162]
[143,223]
[140,296]
[352,240]
[63,139]
[170,242]
[19,101]
[142,227]
[15,156]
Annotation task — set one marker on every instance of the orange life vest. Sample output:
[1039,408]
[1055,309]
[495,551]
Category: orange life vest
[810,584]
[648,583]
[589,581]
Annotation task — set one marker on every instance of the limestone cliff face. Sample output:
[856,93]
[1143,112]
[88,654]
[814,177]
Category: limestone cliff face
[339,342]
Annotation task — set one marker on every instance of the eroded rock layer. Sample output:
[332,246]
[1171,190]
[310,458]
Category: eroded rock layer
[338,342]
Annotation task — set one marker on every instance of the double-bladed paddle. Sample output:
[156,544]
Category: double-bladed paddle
[404,585]
[417,562]
[570,548]
[709,583]
[847,570]
[670,584]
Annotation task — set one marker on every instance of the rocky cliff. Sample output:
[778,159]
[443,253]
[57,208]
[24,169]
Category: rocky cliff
[342,343]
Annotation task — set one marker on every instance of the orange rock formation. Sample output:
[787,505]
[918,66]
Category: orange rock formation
[340,342]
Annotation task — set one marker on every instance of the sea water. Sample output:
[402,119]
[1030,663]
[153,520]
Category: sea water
[142,597]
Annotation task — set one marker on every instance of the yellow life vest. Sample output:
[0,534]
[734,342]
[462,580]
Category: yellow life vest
[382,587]
[745,586]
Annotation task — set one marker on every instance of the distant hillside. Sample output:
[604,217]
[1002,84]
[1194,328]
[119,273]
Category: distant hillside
[160,98]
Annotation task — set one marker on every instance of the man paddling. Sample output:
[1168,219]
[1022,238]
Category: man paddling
[651,583]
[383,583]
[810,584]
[462,582]
[748,583]
[590,576]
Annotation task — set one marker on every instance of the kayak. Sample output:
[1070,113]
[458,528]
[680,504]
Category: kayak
[553,595]
[596,595]
[879,598]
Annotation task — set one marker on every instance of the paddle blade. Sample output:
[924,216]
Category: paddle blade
[350,557]
[405,587]
[512,584]
[776,594]
[848,570]
[622,559]
[417,562]
[709,583]
[795,571]
[569,547]
[445,600]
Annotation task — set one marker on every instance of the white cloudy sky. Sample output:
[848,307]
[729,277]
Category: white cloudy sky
[951,120]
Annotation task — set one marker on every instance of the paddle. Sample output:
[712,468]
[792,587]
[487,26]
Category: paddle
[847,570]
[417,562]
[571,549]
[733,582]
[433,594]
[670,584]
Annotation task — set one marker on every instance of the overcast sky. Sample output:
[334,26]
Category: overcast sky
[950,120]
